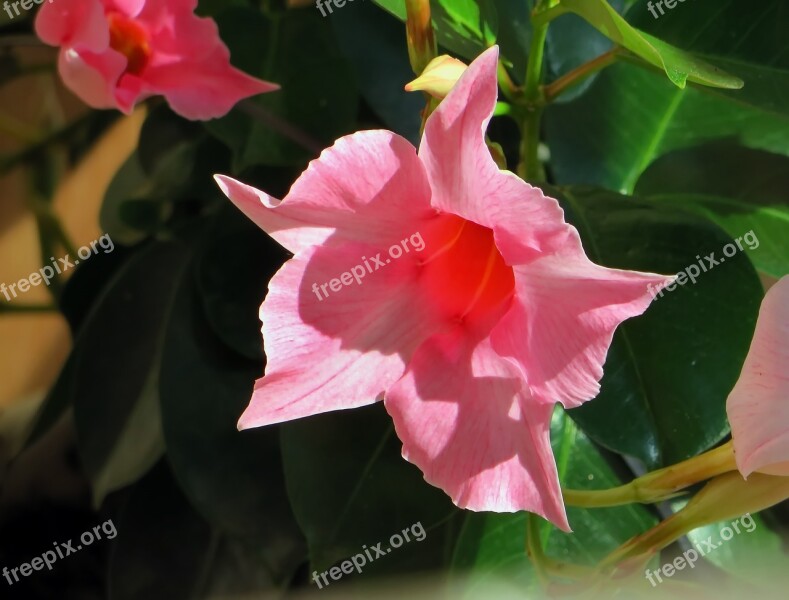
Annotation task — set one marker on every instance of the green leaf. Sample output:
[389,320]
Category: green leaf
[375,46]
[349,486]
[137,201]
[234,479]
[297,50]
[680,66]
[570,43]
[630,117]
[741,190]
[668,372]
[492,546]
[115,377]
[232,269]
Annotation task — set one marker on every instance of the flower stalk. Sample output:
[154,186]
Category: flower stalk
[659,485]
[419,32]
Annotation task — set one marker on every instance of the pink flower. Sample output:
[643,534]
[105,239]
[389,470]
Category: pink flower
[114,53]
[758,406]
[470,341]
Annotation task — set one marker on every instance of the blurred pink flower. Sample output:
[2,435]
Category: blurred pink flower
[114,53]
[471,341]
[758,406]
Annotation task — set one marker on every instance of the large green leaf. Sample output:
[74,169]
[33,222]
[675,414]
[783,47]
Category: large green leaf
[233,478]
[669,371]
[349,486]
[375,46]
[679,65]
[630,116]
[742,190]
[492,546]
[571,42]
[115,371]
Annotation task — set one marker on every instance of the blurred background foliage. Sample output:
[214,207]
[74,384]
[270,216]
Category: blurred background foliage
[121,385]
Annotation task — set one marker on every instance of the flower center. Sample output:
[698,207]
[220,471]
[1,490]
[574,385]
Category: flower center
[129,38]
[463,270]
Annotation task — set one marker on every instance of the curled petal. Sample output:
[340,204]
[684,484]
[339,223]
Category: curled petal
[387,194]
[562,322]
[758,406]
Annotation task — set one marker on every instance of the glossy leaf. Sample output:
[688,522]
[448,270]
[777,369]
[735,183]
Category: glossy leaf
[115,377]
[349,486]
[679,65]
[669,371]
[234,479]
[741,190]
[630,116]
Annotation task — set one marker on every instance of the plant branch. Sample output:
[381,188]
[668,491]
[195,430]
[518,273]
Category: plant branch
[553,90]
[659,485]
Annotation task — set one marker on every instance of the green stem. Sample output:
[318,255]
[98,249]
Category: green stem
[530,167]
[658,485]
[553,90]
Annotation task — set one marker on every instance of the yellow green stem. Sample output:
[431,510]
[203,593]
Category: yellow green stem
[554,89]
[658,485]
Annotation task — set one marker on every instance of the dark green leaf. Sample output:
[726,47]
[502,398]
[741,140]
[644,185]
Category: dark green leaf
[349,486]
[630,116]
[233,478]
[679,65]
[741,190]
[668,372]
[115,378]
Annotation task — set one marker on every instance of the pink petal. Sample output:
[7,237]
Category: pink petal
[205,90]
[341,350]
[758,406]
[190,65]
[75,23]
[177,34]
[561,323]
[467,421]
[93,77]
[466,180]
[130,8]
[369,186]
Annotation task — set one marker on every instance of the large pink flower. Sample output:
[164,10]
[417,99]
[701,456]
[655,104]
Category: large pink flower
[114,53]
[758,406]
[469,341]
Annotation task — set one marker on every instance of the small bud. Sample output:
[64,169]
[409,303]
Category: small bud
[440,76]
